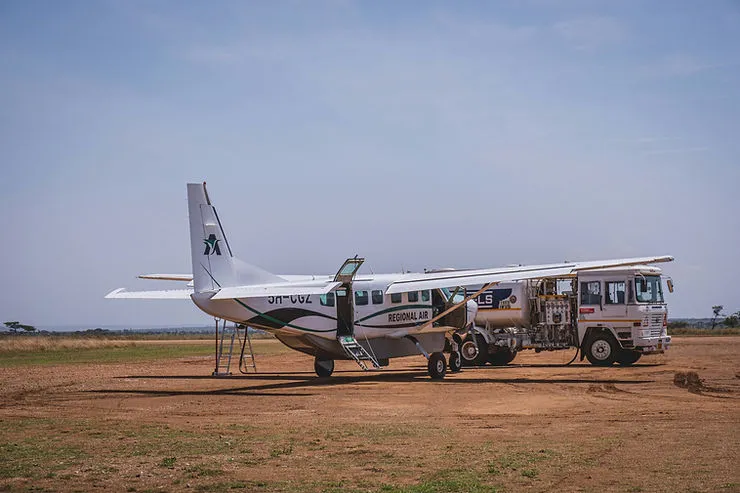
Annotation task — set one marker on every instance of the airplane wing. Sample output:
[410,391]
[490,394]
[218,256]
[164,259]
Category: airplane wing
[169,294]
[446,279]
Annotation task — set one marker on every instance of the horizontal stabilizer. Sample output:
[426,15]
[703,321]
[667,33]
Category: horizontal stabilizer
[169,294]
[276,289]
[167,277]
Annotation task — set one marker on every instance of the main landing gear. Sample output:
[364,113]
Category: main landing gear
[323,367]
[436,362]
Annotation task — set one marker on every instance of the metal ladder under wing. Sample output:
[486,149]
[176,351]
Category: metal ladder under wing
[246,361]
[354,350]
[224,350]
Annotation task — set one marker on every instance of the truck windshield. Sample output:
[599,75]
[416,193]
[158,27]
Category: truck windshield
[648,289]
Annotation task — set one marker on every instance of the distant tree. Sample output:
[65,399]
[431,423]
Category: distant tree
[716,310]
[16,326]
[679,324]
[732,320]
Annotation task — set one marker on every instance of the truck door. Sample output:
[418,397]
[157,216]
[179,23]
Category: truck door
[345,297]
[615,300]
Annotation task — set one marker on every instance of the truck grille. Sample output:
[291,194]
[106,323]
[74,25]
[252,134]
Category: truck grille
[654,322]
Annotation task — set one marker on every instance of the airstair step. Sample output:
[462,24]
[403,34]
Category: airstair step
[356,351]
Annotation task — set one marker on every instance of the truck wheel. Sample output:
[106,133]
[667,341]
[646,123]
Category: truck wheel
[502,357]
[627,357]
[455,362]
[323,367]
[437,366]
[474,354]
[601,350]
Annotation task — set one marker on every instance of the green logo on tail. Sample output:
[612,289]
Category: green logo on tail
[212,245]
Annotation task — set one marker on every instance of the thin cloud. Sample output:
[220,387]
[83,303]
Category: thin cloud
[682,65]
[683,150]
[590,33]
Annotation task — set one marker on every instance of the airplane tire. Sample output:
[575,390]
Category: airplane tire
[602,350]
[323,367]
[437,366]
[627,357]
[502,357]
[474,354]
[455,362]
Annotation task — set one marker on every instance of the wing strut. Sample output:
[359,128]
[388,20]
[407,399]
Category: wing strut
[455,306]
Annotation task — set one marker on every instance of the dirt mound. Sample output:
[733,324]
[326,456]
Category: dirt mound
[688,380]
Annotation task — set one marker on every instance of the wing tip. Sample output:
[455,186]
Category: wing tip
[115,293]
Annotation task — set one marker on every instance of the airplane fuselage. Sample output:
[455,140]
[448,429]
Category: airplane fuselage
[311,323]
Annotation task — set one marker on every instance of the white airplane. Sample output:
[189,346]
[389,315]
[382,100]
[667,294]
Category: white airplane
[366,318]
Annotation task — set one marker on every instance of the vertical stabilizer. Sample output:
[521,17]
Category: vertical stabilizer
[214,265]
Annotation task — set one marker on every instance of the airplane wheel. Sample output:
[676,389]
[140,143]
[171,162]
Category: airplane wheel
[455,362]
[474,354]
[323,367]
[602,350]
[437,366]
[502,357]
[627,357]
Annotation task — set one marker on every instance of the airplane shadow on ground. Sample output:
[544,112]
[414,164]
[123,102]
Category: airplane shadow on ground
[302,381]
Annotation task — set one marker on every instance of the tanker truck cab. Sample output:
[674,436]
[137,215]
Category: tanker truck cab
[621,314]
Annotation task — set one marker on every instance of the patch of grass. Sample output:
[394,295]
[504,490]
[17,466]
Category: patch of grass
[450,481]
[201,471]
[168,462]
[37,456]
[284,450]
[224,486]
[111,354]
[691,331]
[520,461]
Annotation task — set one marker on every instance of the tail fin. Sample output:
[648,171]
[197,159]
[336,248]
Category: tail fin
[214,264]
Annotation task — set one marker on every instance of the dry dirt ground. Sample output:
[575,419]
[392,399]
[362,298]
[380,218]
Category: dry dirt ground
[531,426]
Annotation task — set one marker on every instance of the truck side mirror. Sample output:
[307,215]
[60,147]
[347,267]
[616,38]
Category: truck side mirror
[643,285]
[669,283]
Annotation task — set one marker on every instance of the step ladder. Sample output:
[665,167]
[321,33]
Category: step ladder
[354,350]
[229,338]
[247,363]
[224,350]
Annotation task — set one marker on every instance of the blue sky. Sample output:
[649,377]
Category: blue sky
[418,134]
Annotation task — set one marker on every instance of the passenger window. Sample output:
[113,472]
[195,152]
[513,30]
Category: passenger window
[377,297]
[327,299]
[591,293]
[361,297]
[413,296]
[615,292]
[396,298]
[425,295]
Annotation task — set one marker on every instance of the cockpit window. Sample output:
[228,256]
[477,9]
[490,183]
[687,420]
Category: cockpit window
[648,289]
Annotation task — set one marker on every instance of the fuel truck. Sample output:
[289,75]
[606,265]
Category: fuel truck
[610,315]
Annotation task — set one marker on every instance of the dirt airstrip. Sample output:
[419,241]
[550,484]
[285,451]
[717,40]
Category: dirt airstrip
[532,426]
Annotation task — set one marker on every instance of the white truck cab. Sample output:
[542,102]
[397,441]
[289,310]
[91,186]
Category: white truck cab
[621,314]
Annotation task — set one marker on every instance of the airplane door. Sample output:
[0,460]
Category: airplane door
[345,311]
[345,298]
